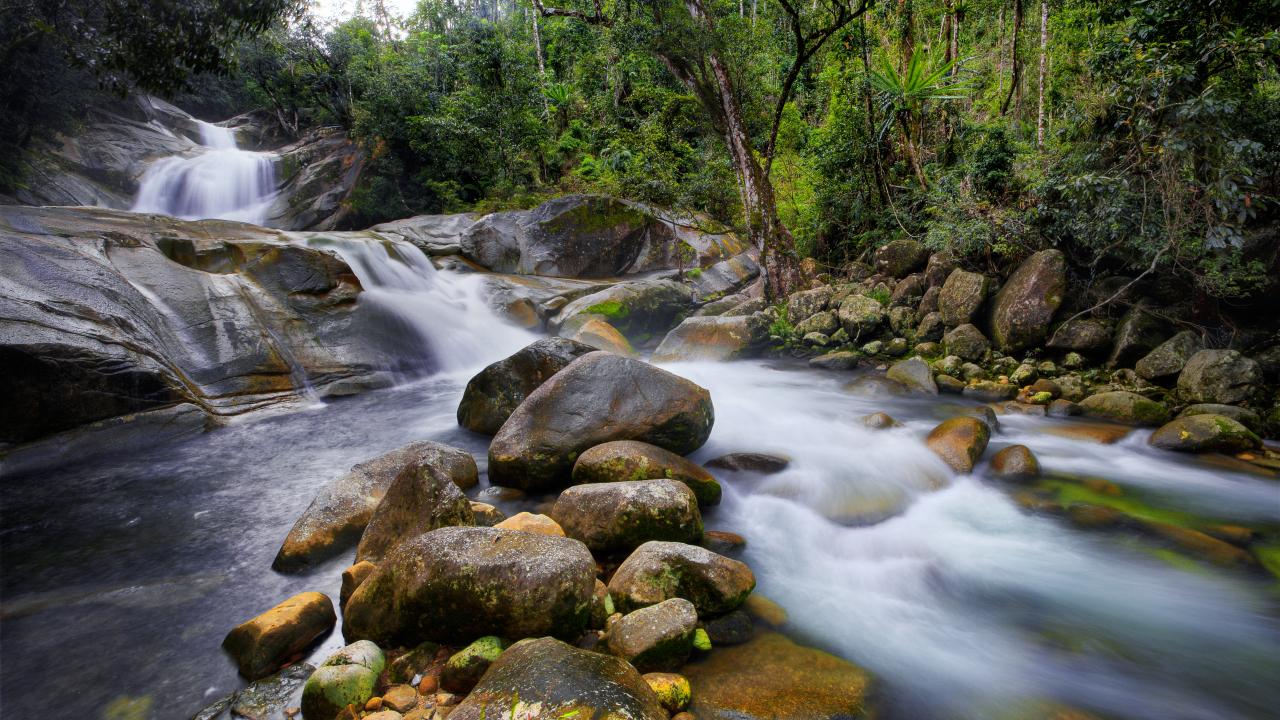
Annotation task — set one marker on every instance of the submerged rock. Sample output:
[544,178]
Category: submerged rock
[423,497]
[1205,433]
[271,698]
[1026,303]
[546,678]
[658,637]
[597,398]
[659,571]
[261,645]
[633,460]
[762,463]
[495,392]
[959,441]
[622,515]
[1125,406]
[458,583]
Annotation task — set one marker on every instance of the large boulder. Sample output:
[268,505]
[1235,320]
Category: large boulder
[597,398]
[639,309]
[622,515]
[317,176]
[711,338]
[1205,433]
[966,342]
[959,441]
[1244,416]
[915,374]
[1169,357]
[596,333]
[423,497]
[346,678]
[773,678]
[261,645]
[900,257]
[1219,376]
[495,392]
[459,583]
[337,516]
[961,297]
[1137,333]
[658,637]
[659,571]
[806,303]
[633,460]
[1082,335]
[546,678]
[1125,406]
[860,314]
[1024,307]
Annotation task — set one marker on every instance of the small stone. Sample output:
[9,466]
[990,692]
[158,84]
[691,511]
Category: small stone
[486,515]
[447,699]
[734,628]
[720,541]
[949,385]
[1063,408]
[873,348]
[428,685]
[375,703]
[701,640]
[879,421]
[384,715]
[1072,361]
[673,690]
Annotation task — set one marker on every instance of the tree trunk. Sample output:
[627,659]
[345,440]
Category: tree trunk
[1044,44]
[912,153]
[1015,81]
[542,68]
[1000,55]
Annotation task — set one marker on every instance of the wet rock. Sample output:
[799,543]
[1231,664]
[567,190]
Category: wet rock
[1219,376]
[1169,357]
[967,342]
[673,690]
[400,698]
[1083,335]
[961,296]
[733,628]
[1063,408]
[596,333]
[459,583]
[1137,333]
[824,322]
[270,698]
[546,678]
[1244,416]
[915,374]
[486,515]
[1205,433]
[658,571]
[772,678]
[423,497]
[531,523]
[722,541]
[1026,374]
[495,392]
[657,637]
[1015,462]
[1026,303]
[1124,406]
[598,398]
[879,421]
[959,441]
[807,303]
[622,515]
[990,391]
[637,308]
[762,463]
[465,667]
[839,360]
[341,510]
[1201,545]
[711,338]
[900,257]
[261,645]
[351,579]
[632,460]
[347,678]
[949,385]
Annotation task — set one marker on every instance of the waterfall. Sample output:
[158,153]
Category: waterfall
[222,182]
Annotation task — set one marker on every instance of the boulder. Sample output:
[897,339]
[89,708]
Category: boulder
[900,257]
[961,296]
[339,513]
[1083,335]
[261,645]
[495,392]
[824,322]
[1137,333]
[966,342]
[915,374]
[762,463]
[465,668]
[1169,357]
[931,328]
[711,338]
[1124,406]
[773,678]
[879,421]
[594,332]
[806,303]
[838,360]
[546,678]
[347,678]
[597,398]
[639,309]
[632,460]
[908,291]
[458,583]
[351,579]
[860,314]
[1015,462]
[613,516]
[657,637]
[423,497]
[270,698]
[1205,433]
[531,523]
[486,514]
[990,391]
[658,571]
[1219,376]
[959,441]
[939,268]
[1026,303]
[1244,416]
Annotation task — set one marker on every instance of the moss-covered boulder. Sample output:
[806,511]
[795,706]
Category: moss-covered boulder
[597,398]
[915,374]
[961,296]
[1015,462]
[658,637]
[459,583]
[1125,406]
[548,679]
[1205,433]
[639,309]
[860,315]
[1219,376]
[712,339]
[959,441]
[1244,416]
[495,392]
[966,342]
[261,645]
[423,497]
[659,571]
[900,257]
[1024,307]
[633,460]
[1083,335]
[773,678]
[616,516]
[465,668]
[807,303]
[346,679]
[1169,357]
[824,322]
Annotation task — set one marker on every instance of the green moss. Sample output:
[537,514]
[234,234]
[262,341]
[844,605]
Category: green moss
[701,640]
[1070,493]
[1269,557]
[611,309]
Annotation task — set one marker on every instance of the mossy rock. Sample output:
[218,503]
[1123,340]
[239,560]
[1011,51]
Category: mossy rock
[1205,433]
[465,667]
[632,460]
[1125,406]
[347,678]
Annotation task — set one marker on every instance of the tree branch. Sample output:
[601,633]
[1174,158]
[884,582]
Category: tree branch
[597,18]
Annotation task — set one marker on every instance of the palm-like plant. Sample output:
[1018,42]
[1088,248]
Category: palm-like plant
[904,94]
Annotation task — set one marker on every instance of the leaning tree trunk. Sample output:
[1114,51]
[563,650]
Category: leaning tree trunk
[1044,44]
[1016,81]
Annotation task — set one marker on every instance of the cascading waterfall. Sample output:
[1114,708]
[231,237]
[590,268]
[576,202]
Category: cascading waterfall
[222,182]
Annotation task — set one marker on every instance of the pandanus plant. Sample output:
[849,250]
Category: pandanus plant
[904,94]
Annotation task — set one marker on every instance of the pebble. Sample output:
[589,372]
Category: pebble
[400,698]
[428,685]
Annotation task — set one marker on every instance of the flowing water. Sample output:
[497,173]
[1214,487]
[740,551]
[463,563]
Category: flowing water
[218,182]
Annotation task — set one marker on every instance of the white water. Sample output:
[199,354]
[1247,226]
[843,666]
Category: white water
[221,182]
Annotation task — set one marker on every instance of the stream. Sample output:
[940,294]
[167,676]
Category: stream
[129,554]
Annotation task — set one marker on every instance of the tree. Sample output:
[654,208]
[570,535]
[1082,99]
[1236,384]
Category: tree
[1015,82]
[905,94]
[1044,51]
